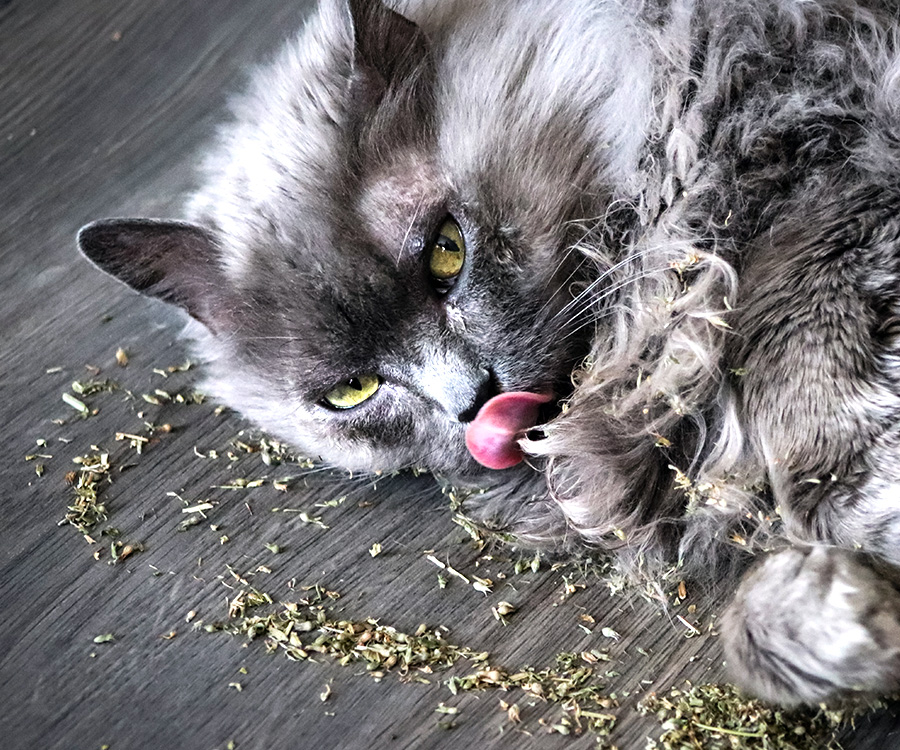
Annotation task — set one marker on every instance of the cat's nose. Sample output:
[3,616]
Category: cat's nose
[484,392]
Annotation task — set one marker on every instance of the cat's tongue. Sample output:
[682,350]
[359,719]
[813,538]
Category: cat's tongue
[493,436]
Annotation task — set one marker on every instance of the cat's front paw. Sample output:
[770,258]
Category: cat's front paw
[814,625]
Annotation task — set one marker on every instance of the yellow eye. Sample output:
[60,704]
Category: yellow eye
[448,253]
[353,392]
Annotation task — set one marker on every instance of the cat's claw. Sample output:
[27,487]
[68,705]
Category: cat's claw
[493,436]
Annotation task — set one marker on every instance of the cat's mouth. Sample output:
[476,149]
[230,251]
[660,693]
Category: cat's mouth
[493,436]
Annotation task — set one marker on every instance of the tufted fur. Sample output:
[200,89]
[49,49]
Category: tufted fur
[683,219]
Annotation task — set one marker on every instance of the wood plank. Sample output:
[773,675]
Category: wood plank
[105,107]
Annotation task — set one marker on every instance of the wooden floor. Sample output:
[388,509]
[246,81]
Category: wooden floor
[103,108]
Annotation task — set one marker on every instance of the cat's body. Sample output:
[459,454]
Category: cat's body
[665,235]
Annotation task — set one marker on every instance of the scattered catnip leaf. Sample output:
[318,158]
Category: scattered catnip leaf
[76,404]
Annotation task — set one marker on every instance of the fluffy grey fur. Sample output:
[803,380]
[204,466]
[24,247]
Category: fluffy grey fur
[682,220]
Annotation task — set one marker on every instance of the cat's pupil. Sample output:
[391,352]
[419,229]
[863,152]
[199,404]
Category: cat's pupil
[448,245]
[355,384]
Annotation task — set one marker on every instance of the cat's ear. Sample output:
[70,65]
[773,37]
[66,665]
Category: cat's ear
[174,261]
[385,42]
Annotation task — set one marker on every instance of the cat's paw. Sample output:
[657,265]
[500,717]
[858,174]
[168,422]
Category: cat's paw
[814,625]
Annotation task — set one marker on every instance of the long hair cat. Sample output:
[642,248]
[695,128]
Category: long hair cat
[628,270]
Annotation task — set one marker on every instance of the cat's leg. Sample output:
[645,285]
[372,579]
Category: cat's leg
[864,514]
[815,624]
[820,398]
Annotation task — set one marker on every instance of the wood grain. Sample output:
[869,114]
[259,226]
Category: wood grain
[105,106]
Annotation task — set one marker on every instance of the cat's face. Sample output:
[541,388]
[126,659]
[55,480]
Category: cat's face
[366,281]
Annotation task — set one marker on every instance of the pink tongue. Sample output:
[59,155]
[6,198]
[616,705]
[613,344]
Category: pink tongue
[493,437]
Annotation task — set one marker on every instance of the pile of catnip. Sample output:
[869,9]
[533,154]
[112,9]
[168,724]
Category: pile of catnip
[579,684]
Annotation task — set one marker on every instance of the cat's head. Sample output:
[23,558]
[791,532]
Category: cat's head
[384,239]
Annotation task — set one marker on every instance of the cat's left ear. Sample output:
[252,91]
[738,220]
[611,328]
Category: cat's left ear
[385,41]
[171,260]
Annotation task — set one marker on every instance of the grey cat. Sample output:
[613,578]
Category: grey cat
[629,270]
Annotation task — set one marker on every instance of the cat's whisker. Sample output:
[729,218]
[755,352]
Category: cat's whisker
[561,288]
[412,223]
[289,339]
[588,290]
[577,298]
[652,250]
[591,302]
[576,248]
[591,321]
[590,305]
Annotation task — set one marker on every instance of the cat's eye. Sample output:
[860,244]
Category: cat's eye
[448,252]
[353,392]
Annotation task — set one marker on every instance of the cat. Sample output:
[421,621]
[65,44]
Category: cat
[626,272]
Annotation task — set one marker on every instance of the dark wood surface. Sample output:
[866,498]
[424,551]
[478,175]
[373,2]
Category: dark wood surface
[103,108]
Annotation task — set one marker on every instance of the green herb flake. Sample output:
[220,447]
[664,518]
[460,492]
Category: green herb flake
[188,522]
[90,387]
[718,717]
[77,404]
[86,509]
[312,520]
[334,503]
[305,628]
